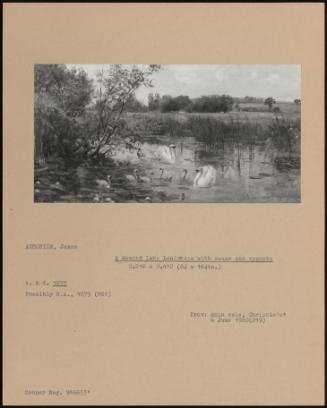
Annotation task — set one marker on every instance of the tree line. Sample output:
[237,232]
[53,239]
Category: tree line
[210,104]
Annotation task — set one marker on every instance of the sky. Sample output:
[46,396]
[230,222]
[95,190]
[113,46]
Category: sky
[282,82]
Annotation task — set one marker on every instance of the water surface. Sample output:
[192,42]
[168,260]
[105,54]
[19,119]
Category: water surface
[245,173]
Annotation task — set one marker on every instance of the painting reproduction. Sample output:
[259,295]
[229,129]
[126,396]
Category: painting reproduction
[116,133]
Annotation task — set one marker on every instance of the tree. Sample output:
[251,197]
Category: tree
[116,88]
[226,103]
[134,105]
[153,101]
[214,103]
[61,97]
[269,101]
[182,101]
[169,104]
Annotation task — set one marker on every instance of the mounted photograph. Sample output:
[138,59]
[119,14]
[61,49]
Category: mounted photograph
[116,133]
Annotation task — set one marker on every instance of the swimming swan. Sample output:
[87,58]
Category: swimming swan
[184,179]
[167,178]
[135,177]
[166,154]
[132,177]
[145,179]
[206,176]
[58,186]
[104,183]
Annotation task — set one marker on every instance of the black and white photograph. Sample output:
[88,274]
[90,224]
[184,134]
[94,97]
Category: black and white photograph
[163,172]
[117,133]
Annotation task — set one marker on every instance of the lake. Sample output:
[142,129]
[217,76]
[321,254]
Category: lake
[245,173]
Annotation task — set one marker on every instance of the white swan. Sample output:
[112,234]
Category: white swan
[135,177]
[145,179]
[166,154]
[206,176]
[58,186]
[184,179]
[167,178]
[104,183]
[132,177]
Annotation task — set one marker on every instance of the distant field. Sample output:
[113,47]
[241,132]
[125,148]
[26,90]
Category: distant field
[288,110]
[285,107]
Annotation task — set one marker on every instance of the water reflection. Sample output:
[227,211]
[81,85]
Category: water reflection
[244,173]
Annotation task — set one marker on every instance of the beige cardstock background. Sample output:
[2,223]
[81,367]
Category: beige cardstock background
[141,346]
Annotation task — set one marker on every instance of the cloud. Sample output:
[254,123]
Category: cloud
[221,74]
[273,78]
[185,77]
[282,82]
